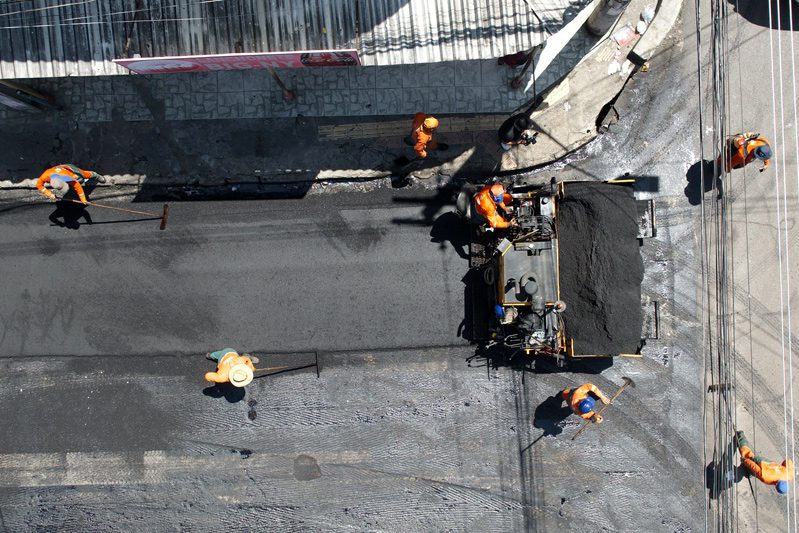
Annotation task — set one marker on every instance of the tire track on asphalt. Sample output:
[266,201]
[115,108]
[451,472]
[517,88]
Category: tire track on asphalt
[766,321]
[759,309]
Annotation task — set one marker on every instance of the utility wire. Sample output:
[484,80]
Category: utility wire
[792,419]
[781,197]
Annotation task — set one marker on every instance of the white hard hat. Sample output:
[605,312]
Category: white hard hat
[59,185]
[240,375]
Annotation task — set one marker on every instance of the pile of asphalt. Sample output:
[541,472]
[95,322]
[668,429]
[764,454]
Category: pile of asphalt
[600,268]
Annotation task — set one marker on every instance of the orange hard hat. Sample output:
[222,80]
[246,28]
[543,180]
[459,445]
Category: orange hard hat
[431,123]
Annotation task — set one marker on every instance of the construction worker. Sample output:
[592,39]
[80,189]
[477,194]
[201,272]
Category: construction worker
[421,137]
[582,401]
[740,150]
[486,202]
[63,177]
[514,131]
[514,60]
[778,474]
[231,367]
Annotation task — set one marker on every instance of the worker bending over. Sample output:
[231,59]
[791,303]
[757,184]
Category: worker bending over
[422,134]
[231,367]
[740,150]
[778,474]
[63,177]
[488,200]
[582,401]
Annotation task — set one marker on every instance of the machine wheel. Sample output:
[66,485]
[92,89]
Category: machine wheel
[489,275]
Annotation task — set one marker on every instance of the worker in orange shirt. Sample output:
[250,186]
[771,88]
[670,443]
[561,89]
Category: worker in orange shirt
[582,401]
[486,202]
[231,367]
[740,150]
[778,474]
[421,137]
[63,177]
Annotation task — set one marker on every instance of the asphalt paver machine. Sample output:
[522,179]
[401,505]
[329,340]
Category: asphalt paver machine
[565,280]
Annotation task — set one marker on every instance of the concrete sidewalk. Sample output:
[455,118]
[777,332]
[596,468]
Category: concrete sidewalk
[233,128]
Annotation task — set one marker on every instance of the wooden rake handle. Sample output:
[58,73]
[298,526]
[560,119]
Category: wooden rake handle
[153,215]
[599,413]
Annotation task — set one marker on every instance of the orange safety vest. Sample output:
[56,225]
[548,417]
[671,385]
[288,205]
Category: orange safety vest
[68,175]
[574,397]
[767,472]
[741,151]
[422,137]
[486,206]
[222,374]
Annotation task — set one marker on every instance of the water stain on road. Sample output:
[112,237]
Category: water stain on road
[337,230]
[306,468]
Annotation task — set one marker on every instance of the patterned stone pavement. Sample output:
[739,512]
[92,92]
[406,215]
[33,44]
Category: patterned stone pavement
[456,87]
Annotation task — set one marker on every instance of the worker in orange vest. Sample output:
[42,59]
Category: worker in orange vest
[231,367]
[740,150]
[488,199]
[582,401]
[63,177]
[421,137]
[778,474]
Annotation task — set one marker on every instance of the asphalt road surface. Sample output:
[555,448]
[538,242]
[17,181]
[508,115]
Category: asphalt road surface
[351,272]
[110,425]
[658,136]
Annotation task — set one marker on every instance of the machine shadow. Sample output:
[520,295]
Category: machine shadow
[431,205]
[783,16]
[450,227]
[494,356]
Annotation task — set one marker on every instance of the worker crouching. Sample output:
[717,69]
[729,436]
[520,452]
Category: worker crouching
[231,367]
[582,401]
[777,474]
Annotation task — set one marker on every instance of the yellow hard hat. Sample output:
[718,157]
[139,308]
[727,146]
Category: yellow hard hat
[431,123]
[240,375]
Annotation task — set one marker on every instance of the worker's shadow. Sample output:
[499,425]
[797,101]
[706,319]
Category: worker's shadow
[403,166]
[498,356]
[697,187]
[723,474]
[69,211]
[549,414]
[229,392]
[450,227]
[68,215]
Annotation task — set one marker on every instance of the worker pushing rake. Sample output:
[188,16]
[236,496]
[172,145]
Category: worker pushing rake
[582,401]
[68,178]
[238,370]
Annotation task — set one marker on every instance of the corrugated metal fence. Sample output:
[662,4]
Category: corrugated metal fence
[44,38]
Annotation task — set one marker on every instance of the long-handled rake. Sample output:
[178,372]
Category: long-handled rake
[164,217]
